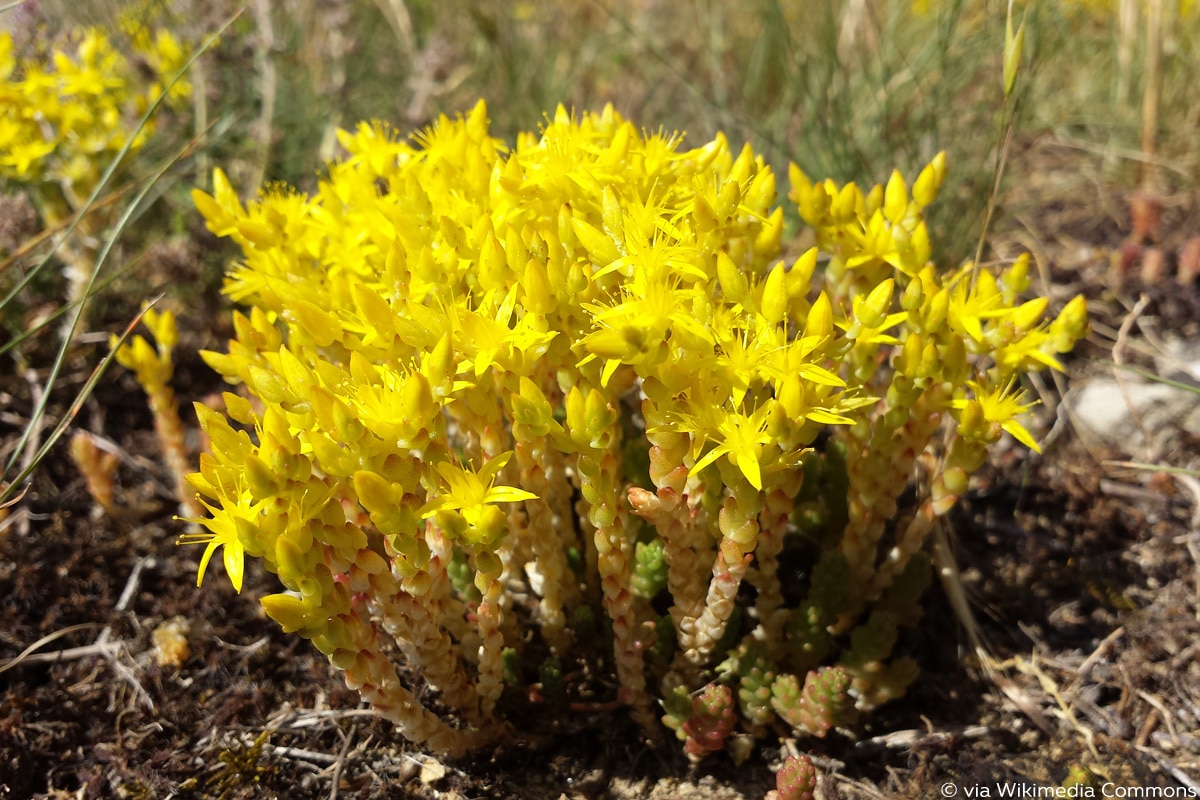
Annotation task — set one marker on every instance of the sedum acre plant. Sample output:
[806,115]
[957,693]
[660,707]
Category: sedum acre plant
[65,114]
[488,392]
[153,367]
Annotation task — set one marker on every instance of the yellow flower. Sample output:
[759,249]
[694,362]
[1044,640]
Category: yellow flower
[22,157]
[971,306]
[7,62]
[995,407]
[741,439]
[466,507]
[222,532]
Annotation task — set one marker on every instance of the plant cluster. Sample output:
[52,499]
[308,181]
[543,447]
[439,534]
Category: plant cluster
[577,371]
[68,111]
[153,367]
[66,114]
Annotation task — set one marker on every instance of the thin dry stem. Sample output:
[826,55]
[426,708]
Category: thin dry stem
[1118,357]
[1154,80]
[1126,39]
[269,83]
[31,655]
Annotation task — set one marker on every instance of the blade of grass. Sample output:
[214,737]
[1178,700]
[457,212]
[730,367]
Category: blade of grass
[1151,376]
[1153,467]
[1012,103]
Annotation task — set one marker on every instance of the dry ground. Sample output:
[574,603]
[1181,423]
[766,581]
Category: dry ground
[1084,582]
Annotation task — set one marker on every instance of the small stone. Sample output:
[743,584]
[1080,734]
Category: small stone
[171,648]
[432,771]
[1107,412]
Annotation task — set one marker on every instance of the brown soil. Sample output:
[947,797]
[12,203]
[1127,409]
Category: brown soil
[1084,581]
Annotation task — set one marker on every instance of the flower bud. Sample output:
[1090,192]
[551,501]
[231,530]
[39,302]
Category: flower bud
[799,277]
[1025,316]
[872,312]
[929,182]
[761,193]
[895,198]
[1016,279]
[873,201]
[1014,44]
[766,243]
[936,310]
[814,204]
[909,361]
[845,204]
[288,610]
[820,318]
[1071,325]
[913,296]
[774,303]
[953,360]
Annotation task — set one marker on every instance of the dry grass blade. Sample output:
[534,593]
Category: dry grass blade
[12,501]
[28,653]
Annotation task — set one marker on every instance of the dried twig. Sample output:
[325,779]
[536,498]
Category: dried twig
[1117,489]
[311,756]
[1052,690]
[1147,728]
[30,654]
[123,670]
[907,738]
[340,763]
[131,584]
[1085,669]
[1163,713]
[824,762]
[311,718]
[1171,767]
[1118,357]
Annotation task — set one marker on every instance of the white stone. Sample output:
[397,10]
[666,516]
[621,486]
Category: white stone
[1106,412]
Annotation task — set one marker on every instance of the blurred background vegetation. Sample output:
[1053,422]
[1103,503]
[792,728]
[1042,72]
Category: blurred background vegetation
[845,88]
